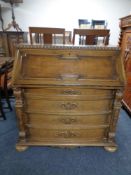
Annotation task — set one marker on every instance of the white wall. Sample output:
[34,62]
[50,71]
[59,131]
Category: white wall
[65,13]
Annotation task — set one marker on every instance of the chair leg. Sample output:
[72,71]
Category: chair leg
[1,107]
[6,92]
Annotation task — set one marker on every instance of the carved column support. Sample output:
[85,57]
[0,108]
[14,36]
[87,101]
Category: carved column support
[120,38]
[115,114]
[20,114]
[121,33]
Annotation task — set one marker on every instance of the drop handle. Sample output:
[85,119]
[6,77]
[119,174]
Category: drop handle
[68,120]
[70,92]
[67,134]
[69,106]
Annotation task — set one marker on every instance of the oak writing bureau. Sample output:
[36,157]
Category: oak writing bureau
[67,95]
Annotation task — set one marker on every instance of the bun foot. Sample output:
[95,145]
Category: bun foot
[111,148]
[21,148]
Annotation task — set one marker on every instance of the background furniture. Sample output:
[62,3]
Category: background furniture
[68,37]
[6,65]
[58,38]
[1,18]
[46,35]
[92,36]
[99,24]
[8,40]
[13,22]
[68,96]
[83,23]
[125,45]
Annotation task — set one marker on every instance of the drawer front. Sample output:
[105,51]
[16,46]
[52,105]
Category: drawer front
[64,121]
[67,92]
[67,106]
[61,135]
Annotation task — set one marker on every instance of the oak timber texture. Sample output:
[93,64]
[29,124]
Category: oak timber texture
[68,95]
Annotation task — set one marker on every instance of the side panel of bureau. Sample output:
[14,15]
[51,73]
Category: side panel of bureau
[125,44]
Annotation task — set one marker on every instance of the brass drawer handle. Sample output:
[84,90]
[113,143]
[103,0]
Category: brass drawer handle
[69,106]
[71,92]
[67,134]
[68,120]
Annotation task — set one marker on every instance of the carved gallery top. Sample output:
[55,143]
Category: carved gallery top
[125,21]
[64,46]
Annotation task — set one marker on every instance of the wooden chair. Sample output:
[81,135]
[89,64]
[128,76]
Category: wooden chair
[99,24]
[83,23]
[91,36]
[58,38]
[45,35]
[5,84]
[2,114]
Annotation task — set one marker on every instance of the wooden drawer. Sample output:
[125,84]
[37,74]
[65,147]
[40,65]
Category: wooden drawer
[67,121]
[36,134]
[67,106]
[73,92]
